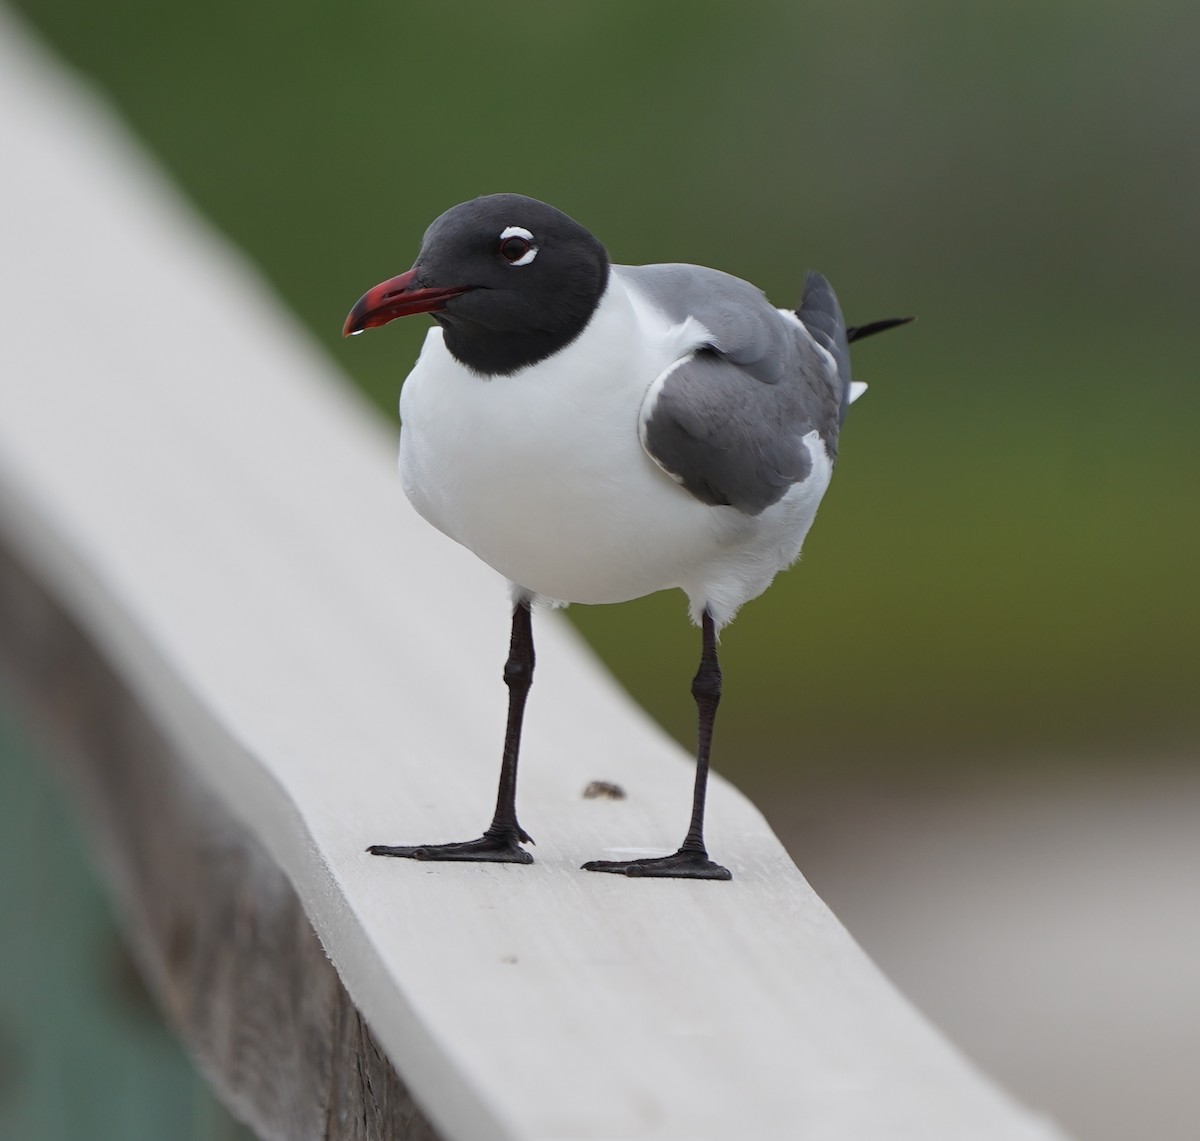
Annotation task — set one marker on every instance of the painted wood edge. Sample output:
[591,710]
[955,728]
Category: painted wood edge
[215,927]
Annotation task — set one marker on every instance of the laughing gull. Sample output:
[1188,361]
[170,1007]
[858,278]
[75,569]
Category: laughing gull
[598,432]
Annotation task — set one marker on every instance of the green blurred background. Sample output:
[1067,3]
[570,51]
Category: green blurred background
[1005,569]
[1006,563]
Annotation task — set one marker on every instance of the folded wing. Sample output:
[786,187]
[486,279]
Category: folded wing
[729,420]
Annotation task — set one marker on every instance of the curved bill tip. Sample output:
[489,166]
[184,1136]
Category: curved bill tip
[354,320]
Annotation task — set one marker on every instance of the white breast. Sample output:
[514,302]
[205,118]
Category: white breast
[543,476]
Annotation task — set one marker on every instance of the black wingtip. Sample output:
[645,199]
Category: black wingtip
[857,332]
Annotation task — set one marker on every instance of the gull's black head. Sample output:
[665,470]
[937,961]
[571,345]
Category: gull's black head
[510,279]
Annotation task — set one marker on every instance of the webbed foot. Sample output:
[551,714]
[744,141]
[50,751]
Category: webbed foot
[500,848]
[686,864]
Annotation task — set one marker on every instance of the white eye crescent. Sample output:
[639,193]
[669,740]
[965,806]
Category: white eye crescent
[516,245]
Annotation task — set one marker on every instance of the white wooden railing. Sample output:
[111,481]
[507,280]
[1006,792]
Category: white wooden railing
[260,661]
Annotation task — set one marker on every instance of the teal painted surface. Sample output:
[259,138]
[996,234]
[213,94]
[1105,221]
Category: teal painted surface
[84,1055]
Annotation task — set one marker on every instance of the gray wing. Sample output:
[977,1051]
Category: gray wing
[822,317]
[728,421]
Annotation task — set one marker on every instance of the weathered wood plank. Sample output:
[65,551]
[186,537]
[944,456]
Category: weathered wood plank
[192,484]
[214,925]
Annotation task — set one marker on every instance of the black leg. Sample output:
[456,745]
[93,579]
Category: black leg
[501,843]
[691,861]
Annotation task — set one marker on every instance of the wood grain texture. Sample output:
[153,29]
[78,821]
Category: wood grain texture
[216,929]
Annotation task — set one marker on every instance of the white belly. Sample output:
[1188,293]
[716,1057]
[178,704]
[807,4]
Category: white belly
[543,476]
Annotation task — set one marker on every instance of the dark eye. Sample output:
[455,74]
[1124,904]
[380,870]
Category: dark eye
[517,246]
[514,249]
